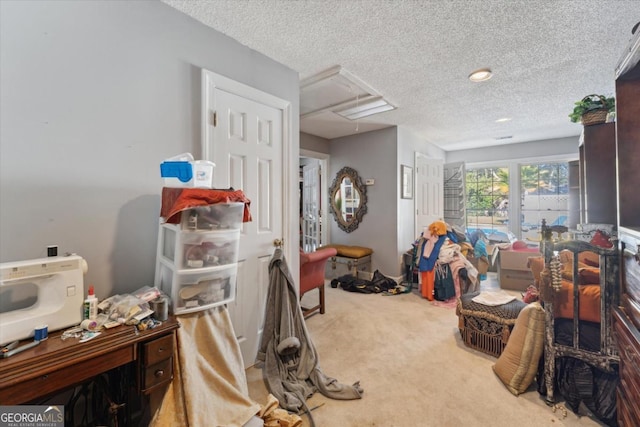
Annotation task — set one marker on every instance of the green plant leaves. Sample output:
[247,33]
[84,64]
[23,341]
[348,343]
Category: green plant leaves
[591,103]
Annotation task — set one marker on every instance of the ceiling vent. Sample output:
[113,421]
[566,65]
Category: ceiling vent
[338,91]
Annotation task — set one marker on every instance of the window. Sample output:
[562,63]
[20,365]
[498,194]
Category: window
[487,199]
[544,195]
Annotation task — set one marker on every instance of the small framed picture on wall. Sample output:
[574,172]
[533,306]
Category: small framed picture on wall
[406,175]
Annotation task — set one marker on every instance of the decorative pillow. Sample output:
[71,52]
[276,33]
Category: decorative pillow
[566,259]
[589,258]
[536,265]
[518,364]
[589,302]
[600,238]
[589,276]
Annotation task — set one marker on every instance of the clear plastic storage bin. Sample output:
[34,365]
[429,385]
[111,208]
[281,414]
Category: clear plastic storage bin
[209,249]
[199,249]
[221,216]
[198,289]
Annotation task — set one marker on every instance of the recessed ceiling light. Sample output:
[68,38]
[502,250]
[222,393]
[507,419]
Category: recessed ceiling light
[504,119]
[480,75]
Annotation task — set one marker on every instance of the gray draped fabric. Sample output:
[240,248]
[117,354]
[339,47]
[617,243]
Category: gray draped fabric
[291,368]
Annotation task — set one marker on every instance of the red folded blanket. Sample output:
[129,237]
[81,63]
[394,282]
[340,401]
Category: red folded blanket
[176,200]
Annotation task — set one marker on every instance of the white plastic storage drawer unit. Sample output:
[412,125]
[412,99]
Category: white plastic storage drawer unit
[196,262]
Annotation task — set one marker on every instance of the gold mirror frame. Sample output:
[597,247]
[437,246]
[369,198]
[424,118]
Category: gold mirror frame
[347,221]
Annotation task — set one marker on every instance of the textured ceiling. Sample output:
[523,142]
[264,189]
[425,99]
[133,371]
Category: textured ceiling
[545,55]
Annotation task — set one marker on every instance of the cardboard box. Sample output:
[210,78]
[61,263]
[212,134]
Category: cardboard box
[515,260]
[515,280]
[513,270]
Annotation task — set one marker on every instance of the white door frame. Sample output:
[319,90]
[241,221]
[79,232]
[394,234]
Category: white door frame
[324,165]
[289,159]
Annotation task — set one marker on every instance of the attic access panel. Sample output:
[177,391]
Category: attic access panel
[338,91]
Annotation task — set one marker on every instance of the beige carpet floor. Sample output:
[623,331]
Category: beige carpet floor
[413,367]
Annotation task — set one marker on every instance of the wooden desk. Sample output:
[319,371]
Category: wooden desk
[55,365]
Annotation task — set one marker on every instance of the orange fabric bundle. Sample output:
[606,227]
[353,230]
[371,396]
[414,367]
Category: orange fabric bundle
[175,200]
[438,228]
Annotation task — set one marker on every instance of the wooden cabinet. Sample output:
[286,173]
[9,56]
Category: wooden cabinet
[157,363]
[98,373]
[597,170]
[626,328]
[628,393]
[627,316]
[628,135]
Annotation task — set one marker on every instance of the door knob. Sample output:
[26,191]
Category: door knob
[278,243]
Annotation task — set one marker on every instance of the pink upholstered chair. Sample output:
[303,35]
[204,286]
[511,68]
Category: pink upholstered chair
[312,266]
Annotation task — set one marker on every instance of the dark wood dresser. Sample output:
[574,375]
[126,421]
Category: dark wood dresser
[626,324]
[598,174]
[136,366]
[626,318]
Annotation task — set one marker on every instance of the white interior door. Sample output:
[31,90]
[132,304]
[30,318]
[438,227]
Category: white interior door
[244,138]
[429,191]
[311,206]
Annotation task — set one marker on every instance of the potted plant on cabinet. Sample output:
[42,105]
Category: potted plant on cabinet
[592,109]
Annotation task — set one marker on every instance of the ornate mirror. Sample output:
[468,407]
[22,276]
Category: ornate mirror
[348,199]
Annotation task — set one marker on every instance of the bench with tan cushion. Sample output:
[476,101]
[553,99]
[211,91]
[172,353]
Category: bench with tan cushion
[349,260]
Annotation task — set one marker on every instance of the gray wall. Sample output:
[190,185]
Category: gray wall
[314,143]
[94,95]
[373,155]
[408,144]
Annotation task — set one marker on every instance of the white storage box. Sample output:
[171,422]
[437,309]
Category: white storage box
[177,174]
[221,216]
[197,289]
[200,249]
[182,171]
[203,173]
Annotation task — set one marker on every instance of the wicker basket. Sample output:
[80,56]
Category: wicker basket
[594,117]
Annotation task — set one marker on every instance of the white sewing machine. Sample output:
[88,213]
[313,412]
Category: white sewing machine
[34,293]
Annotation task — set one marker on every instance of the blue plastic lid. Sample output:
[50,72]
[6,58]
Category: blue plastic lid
[181,170]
